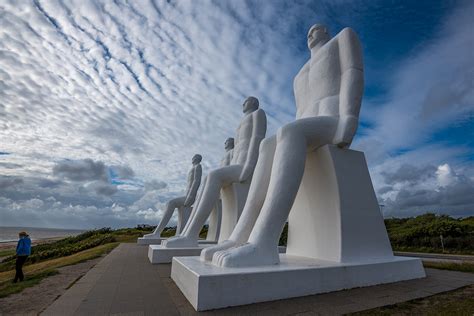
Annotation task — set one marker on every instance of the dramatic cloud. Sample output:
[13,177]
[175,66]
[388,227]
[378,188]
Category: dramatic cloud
[7,182]
[81,170]
[412,190]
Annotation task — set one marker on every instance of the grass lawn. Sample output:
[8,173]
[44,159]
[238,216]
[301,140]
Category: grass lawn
[7,252]
[457,302]
[47,258]
[34,273]
[463,267]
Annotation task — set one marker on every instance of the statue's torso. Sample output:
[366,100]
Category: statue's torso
[227,158]
[191,176]
[317,85]
[243,137]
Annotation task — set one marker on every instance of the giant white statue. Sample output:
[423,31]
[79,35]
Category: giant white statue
[215,218]
[328,91]
[308,175]
[182,203]
[249,134]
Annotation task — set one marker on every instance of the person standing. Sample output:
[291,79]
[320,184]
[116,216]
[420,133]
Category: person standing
[23,250]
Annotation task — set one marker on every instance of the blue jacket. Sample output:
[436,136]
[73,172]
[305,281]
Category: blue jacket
[23,248]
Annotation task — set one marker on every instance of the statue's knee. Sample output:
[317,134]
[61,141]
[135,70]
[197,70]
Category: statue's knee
[213,176]
[267,144]
[285,132]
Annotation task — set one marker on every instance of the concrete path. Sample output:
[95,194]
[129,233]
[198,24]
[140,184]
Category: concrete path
[125,283]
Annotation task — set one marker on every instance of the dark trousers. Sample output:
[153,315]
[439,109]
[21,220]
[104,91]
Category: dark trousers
[20,261]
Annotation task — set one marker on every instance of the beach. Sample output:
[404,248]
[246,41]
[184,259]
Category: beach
[9,235]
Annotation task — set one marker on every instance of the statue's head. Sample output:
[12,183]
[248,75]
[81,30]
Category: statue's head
[250,104]
[318,33]
[197,159]
[229,144]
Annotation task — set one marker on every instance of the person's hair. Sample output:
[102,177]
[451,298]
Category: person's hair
[23,233]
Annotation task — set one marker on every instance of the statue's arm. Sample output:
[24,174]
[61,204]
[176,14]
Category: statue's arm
[259,129]
[191,196]
[352,86]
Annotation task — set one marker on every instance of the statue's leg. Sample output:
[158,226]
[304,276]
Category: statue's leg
[215,181]
[257,192]
[169,209]
[293,140]
[196,204]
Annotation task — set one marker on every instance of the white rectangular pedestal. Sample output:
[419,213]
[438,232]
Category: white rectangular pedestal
[160,254]
[206,242]
[149,241]
[209,287]
[157,241]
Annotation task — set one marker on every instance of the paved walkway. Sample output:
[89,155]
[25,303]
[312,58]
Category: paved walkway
[125,283]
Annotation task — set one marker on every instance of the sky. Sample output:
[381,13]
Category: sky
[104,103]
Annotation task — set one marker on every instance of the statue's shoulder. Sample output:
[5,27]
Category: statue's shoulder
[259,113]
[350,49]
[348,38]
[347,34]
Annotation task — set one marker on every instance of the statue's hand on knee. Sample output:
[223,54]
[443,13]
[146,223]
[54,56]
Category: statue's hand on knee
[245,174]
[346,129]
[189,201]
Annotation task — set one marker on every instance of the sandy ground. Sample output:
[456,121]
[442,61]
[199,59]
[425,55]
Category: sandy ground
[33,300]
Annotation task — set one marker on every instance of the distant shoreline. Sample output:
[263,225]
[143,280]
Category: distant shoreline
[9,234]
[12,244]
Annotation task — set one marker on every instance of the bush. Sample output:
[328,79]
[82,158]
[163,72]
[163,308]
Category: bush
[424,232]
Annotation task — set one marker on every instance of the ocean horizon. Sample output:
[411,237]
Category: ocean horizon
[9,234]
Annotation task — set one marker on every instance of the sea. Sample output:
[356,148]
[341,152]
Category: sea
[9,234]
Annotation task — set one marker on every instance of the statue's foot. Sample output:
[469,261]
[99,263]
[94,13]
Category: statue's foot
[207,253]
[246,255]
[180,242]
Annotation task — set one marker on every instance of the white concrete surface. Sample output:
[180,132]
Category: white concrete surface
[209,287]
[336,215]
[157,241]
[149,241]
[161,254]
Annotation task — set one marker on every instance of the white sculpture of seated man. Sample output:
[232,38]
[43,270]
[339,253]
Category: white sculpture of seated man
[328,92]
[249,134]
[216,215]
[182,203]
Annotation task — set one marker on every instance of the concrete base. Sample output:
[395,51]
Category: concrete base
[209,287]
[149,241]
[157,241]
[206,242]
[160,254]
